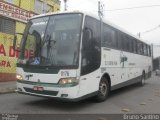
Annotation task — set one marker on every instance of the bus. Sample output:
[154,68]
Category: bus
[75,55]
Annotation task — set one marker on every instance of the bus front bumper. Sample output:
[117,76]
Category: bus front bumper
[48,90]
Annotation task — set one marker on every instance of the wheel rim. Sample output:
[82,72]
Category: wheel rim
[103,89]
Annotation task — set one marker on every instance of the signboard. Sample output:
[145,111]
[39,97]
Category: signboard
[8,57]
[14,12]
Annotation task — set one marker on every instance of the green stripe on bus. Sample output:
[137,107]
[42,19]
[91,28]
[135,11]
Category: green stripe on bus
[46,84]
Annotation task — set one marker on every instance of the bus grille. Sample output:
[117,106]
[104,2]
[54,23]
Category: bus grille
[44,92]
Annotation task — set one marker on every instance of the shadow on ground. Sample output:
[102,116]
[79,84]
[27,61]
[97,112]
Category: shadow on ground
[76,106]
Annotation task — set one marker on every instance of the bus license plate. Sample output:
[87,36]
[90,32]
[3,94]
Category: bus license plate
[38,88]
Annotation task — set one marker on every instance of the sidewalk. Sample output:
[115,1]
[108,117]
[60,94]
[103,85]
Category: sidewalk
[7,87]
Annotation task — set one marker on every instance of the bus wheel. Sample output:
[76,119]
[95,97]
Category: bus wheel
[103,90]
[142,82]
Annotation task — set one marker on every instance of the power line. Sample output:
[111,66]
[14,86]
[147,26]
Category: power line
[137,7]
[150,30]
[130,8]
[147,31]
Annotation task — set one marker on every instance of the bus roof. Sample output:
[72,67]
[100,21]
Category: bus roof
[94,16]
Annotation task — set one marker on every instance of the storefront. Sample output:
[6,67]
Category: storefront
[13,17]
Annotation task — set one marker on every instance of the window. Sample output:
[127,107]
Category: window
[149,50]
[123,41]
[120,41]
[145,49]
[134,46]
[114,38]
[9,1]
[140,47]
[7,26]
[42,7]
[109,37]
[91,53]
[51,42]
[131,44]
[38,7]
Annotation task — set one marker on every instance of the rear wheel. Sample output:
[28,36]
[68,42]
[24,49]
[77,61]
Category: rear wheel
[103,90]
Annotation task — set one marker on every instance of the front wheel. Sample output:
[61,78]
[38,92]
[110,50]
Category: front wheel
[103,90]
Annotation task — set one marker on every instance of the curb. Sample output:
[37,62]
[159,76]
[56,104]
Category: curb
[7,90]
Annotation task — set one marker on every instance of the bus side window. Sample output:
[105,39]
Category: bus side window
[149,50]
[145,49]
[142,48]
[124,40]
[126,43]
[109,37]
[139,48]
[120,39]
[134,46]
[131,45]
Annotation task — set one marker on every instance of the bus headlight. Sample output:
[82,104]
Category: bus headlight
[64,81]
[19,77]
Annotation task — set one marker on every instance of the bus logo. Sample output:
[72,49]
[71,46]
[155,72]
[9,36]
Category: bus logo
[28,76]
[123,59]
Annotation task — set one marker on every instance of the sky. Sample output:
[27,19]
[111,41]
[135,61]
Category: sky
[132,20]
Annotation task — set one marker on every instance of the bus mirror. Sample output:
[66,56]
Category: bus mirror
[15,40]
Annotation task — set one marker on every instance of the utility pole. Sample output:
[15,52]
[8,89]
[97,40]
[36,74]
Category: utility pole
[100,9]
[139,34]
[100,14]
[65,5]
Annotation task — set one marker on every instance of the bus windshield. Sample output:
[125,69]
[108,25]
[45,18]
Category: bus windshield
[52,41]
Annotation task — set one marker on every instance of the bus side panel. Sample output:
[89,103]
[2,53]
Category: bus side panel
[89,83]
[124,68]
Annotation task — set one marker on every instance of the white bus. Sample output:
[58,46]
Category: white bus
[75,55]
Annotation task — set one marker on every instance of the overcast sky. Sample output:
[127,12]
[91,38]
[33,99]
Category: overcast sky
[132,20]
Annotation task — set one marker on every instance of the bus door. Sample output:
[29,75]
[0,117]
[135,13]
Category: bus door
[91,55]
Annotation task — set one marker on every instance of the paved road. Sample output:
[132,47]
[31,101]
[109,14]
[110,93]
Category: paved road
[131,99]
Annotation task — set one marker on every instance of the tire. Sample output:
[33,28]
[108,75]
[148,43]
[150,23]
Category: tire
[104,90]
[142,82]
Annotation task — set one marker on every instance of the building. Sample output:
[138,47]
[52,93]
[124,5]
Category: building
[13,17]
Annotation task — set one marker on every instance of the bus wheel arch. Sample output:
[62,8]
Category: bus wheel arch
[106,75]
